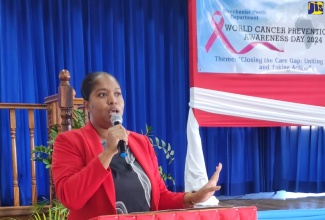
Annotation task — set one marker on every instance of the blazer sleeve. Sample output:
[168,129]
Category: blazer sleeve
[75,178]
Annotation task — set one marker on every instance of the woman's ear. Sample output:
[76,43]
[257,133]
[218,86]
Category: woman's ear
[86,109]
[86,105]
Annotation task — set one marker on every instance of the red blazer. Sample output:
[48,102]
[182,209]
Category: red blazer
[86,188]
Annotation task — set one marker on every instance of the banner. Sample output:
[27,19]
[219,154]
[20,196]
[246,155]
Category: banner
[260,37]
[253,64]
[257,63]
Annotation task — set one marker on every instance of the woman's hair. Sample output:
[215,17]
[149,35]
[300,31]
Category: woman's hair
[89,82]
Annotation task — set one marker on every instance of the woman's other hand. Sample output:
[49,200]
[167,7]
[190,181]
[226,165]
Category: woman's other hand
[206,191]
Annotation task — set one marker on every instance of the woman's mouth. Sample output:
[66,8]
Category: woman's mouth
[113,111]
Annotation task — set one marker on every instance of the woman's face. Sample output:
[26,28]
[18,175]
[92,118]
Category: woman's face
[105,100]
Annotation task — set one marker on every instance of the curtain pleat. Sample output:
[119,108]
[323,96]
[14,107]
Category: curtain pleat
[144,43]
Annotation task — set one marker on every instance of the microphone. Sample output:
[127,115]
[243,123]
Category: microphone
[117,119]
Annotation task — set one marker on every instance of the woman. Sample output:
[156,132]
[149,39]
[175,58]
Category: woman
[91,179]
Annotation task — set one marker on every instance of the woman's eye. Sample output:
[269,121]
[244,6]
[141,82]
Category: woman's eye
[102,94]
[117,94]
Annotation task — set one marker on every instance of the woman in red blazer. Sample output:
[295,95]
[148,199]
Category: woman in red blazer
[90,177]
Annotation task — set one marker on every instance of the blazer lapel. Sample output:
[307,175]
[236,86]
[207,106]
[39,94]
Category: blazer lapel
[92,139]
[95,148]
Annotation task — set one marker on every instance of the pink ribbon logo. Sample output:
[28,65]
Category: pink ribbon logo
[218,33]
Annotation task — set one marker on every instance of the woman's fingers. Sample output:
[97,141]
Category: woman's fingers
[210,188]
[215,176]
[215,188]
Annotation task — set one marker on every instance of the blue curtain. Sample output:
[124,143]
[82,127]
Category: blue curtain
[266,159]
[144,43]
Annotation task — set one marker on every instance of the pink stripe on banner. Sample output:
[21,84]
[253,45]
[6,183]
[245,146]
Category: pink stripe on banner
[218,32]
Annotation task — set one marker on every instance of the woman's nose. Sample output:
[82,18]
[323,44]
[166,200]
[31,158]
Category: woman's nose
[111,100]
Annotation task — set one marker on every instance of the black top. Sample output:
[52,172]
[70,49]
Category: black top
[132,185]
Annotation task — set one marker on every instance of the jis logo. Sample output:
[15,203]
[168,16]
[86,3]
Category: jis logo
[315,8]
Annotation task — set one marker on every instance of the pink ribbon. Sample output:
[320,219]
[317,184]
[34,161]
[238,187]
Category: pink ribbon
[218,32]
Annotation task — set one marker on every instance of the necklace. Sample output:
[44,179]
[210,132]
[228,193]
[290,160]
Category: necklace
[104,143]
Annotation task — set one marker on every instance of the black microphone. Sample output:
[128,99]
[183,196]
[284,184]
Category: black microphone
[117,119]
